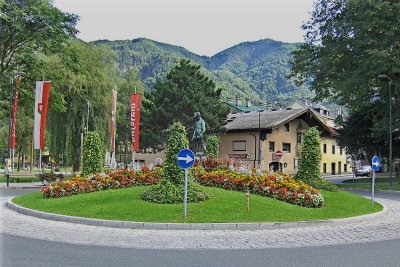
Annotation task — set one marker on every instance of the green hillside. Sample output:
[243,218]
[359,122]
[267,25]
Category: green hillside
[252,69]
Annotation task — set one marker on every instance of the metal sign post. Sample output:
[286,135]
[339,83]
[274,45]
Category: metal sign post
[185,194]
[375,167]
[185,160]
[278,155]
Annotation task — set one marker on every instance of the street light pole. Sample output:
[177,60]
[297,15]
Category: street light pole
[9,122]
[259,139]
[386,77]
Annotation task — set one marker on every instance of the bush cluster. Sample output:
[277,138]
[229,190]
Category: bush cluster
[171,188]
[212,146]
[168,193]
[92,154]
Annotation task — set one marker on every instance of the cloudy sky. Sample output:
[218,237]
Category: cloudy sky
[205,27]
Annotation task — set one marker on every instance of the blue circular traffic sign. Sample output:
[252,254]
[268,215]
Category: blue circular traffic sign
[185,158]
[376,164]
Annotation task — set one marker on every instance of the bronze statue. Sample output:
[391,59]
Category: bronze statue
[199,129]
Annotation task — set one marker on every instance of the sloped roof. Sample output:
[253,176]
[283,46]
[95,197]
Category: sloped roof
[242,108]
[268,119]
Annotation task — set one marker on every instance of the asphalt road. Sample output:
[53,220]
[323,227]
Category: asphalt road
[22,251]
[18,251]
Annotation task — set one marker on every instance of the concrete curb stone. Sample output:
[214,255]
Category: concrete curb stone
[191,226]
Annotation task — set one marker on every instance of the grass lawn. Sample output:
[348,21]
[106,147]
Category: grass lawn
[366,183]
[224,206]
[22,180]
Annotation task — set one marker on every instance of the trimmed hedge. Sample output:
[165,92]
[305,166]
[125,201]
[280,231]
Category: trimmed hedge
[92,154]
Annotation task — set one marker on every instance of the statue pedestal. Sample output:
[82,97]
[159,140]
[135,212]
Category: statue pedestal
[200,156]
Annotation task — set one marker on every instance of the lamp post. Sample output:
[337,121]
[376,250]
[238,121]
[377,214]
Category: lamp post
[259,139]
[387,78]
[264,105]
[9,121]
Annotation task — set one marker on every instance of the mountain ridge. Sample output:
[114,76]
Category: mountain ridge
[255,69]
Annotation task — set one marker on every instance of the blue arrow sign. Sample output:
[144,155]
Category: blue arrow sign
[185,158]
[376,163]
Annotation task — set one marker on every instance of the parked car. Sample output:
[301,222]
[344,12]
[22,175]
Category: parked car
[363,171]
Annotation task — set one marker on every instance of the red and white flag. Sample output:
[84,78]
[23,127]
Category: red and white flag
[41,104]
[14,121]
[135,120]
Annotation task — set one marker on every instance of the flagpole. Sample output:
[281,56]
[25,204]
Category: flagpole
[40,161]
[32,154]
[81,158]
[133,158]
[13,160]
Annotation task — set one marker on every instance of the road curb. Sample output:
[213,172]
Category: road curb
[191,226]
[21,187]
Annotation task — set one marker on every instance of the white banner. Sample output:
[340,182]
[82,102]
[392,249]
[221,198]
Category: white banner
[38,115]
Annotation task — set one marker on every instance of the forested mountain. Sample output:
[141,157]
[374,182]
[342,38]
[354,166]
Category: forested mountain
[252,69]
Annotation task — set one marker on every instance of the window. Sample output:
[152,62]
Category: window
[299,138]
[286,127]
[286,147]
[324,168]
[271,146]
[333,149]
[324,148]
[239,145]
[341,151]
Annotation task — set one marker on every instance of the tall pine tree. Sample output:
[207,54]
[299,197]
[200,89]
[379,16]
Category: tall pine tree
[184,91]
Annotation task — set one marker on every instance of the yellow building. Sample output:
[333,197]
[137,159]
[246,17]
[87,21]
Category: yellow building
[257,138]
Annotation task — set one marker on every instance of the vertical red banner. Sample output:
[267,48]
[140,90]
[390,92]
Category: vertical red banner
[45,102]
[113,118]
[14,120]
[135,120]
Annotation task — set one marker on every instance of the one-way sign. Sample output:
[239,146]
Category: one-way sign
[376,164]
[185,158]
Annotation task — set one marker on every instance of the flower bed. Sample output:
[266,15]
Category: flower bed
[282,188]
[114,180]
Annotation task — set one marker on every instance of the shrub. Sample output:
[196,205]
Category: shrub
[176,142]
[92,155]
[310,162]
[168,193]
[171,188]
[212,146]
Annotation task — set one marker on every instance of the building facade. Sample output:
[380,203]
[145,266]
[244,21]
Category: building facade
[273,140]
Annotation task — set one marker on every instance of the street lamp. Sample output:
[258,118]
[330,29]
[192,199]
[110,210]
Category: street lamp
[264,105]
[387,78]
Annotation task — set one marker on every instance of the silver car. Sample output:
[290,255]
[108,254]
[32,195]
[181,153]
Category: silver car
[363,171]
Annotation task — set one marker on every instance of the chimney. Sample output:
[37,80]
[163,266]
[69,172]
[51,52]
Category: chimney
[248,102]
[238,101]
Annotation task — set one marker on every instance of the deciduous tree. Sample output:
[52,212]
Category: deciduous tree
[348,43]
